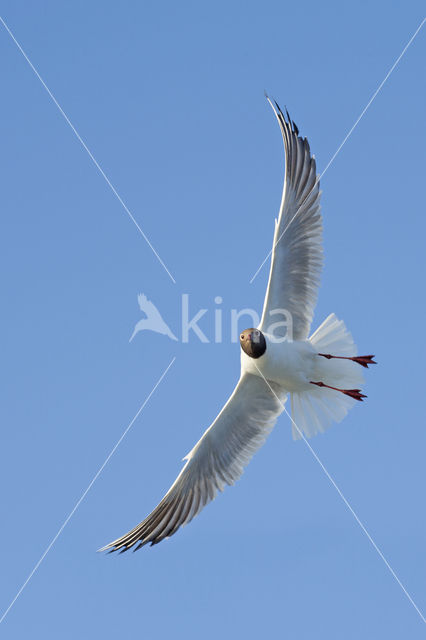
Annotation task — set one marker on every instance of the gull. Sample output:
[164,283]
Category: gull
[153,320]
[322,373]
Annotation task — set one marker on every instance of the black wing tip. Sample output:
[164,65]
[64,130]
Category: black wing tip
[291,122]
[119,549]
[286,117]
[104,549]
[122,548]
[107,550]
[112,548]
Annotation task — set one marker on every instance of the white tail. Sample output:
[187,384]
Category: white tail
[314,411]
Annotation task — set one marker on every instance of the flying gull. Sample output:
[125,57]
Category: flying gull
[322,373]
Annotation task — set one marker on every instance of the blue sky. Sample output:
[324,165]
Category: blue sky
[169,98]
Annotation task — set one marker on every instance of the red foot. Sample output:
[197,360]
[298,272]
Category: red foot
[364,361]
[353,393]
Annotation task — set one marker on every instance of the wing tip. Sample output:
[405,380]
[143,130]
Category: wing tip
[284,118]
[106,549]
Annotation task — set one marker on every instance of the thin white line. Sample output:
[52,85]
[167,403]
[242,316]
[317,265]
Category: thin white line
[348,134]
[267,258]
[91,156]
[375,94]
[346,502]
[96,476]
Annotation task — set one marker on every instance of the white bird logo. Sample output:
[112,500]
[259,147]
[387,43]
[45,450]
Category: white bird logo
[153,320]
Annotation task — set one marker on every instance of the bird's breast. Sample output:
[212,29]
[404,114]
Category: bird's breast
[286,363]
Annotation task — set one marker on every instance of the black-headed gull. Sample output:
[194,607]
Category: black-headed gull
[322,373]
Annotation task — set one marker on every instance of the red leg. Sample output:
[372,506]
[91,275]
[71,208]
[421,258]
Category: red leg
[364,361]
[353,393]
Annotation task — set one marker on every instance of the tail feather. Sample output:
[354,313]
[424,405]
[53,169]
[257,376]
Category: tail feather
[334,335]
[315,410]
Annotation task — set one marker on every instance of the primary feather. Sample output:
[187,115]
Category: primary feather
[297,247]
[217,459]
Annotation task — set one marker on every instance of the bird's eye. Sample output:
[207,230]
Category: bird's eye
[242,336]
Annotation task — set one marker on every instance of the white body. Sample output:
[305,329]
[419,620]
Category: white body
[290,364]
[294,365]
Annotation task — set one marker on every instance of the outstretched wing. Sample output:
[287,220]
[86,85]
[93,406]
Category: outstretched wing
[297,249]
[217,459]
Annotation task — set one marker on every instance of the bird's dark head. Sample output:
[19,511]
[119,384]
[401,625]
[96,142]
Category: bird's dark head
[253,343]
